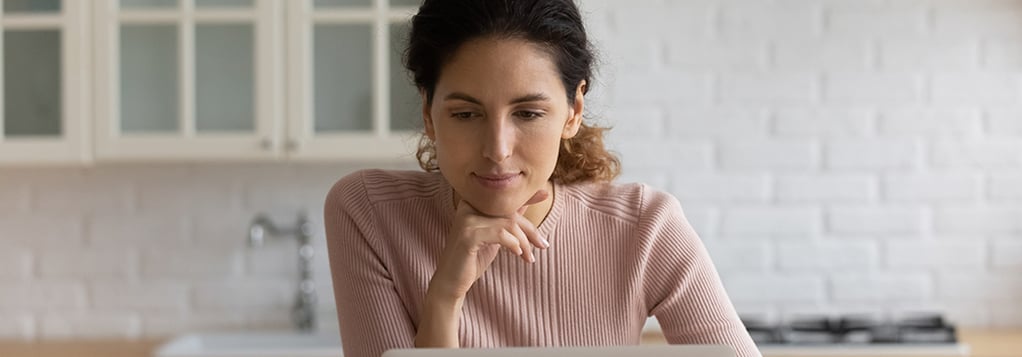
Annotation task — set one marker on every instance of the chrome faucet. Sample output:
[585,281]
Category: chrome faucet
[303,312]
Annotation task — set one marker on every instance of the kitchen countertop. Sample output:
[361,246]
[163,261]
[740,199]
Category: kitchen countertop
[984,343]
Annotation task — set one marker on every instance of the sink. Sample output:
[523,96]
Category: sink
[253,344]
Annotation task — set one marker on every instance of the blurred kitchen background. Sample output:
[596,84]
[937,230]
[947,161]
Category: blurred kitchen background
[835,156]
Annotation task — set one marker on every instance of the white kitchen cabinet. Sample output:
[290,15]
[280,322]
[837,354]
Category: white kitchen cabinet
[44,103]
[188,80]
[349,97]
[250,80]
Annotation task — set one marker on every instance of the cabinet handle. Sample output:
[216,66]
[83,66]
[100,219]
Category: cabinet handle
[266,144]
[292,145]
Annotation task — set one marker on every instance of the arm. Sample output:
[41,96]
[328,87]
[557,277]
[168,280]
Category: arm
[372,317]
[682,287]
[438,327]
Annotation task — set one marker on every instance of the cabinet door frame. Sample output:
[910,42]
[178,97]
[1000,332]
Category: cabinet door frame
[303,143]
[73,146]
[187,144]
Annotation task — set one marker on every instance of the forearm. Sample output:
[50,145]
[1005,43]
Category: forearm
[438,327]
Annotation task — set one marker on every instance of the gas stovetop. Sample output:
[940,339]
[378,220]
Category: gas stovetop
[857,335]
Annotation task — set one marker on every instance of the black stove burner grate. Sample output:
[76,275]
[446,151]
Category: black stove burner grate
[854,329]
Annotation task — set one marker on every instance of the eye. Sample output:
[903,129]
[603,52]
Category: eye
[463,115]
[528,114]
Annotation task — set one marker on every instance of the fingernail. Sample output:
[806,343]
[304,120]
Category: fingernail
[532,259]
[546,244]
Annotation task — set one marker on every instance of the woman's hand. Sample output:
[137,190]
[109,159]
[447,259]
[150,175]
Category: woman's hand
[474,241]
[472,245]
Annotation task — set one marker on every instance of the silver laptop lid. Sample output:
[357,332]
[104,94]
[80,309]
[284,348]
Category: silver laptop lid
[605,351]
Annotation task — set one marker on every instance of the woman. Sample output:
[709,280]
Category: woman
[513,235]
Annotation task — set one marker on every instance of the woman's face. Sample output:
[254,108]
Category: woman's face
[497,117]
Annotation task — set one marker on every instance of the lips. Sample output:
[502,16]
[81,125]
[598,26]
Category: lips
[497,180]
[497,177]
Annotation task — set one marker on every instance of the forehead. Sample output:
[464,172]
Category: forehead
[490,66]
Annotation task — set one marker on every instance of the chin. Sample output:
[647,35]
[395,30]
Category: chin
[494,206]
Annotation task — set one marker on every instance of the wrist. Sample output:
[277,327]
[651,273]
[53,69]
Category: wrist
[443,300]
[442,292]
[438,324]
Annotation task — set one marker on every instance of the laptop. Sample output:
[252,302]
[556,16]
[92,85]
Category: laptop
[605,351]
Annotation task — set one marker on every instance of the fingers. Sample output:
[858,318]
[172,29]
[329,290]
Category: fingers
[538,197]
[524,243]
[517,233]
[512,243]
[531,233]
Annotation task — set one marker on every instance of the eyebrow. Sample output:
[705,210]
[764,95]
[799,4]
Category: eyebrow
[534,97]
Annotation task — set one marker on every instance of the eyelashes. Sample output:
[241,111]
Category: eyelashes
[527,115]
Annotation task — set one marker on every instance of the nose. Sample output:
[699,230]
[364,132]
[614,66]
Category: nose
[499,140]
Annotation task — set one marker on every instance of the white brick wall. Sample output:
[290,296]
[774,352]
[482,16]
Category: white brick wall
[932,187]
[822,122]
[825,188]
[781,155]
[1005,122]
[881,287]
[836,255]
[955,256]
[88,263]
[834,155]
[168,324]
[929,121]
[1006,254]
[774,288]
[770,221]
[147,297]
[15,264]
[876,220]
[43,295]
[89,325]
[18,326]
[872,154]
[871,88]
[972,88]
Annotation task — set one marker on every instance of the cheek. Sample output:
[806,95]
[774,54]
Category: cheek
[452,149]
[542,148]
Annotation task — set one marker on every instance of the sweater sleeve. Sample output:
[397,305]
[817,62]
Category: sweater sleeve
[682,287]
[371,315]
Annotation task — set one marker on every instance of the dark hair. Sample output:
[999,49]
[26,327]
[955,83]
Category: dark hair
[442,26]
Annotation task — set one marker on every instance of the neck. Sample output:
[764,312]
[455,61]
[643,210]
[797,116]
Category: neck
[537,213]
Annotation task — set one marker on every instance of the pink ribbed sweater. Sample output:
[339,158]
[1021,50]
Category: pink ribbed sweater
[618,254]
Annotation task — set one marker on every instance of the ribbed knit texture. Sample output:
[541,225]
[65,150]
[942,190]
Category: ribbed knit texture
[618,254]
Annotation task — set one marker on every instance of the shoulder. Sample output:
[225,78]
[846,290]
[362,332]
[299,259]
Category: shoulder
[374,185]
[629,201]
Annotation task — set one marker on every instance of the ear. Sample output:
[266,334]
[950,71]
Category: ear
[427,119]
[575,112]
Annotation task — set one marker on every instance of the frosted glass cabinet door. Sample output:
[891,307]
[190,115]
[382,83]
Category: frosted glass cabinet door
[343,78]
[30,6]
[349,96]
[151,4]
[43,104]
[223,3]
[405,104]
[322,4]
[190,80]
[31,73]
[413,3]
[149,79]
[224,81]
